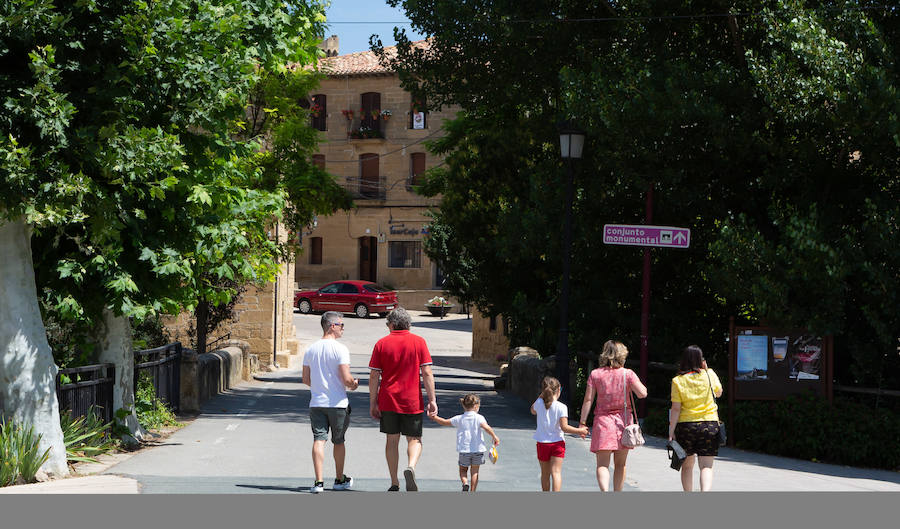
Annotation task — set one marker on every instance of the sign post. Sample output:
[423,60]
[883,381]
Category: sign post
[642,235]
[646,235]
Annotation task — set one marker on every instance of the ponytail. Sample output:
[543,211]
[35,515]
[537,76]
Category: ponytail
[549,387]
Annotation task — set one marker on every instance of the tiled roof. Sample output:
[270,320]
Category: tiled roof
[361,63]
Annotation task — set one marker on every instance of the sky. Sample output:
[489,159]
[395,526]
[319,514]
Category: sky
[353,21]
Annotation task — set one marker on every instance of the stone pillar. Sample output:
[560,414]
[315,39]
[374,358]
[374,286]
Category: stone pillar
[190,393]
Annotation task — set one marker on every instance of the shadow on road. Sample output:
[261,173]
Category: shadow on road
[444,325]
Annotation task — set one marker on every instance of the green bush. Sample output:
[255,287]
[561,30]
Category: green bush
[20,455]
[807,427]
[151,412]
[657,421]
[86,437]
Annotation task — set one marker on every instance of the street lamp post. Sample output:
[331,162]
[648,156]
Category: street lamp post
[571,142]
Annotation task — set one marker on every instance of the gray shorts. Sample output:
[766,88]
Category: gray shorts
[471,459]
[335,419]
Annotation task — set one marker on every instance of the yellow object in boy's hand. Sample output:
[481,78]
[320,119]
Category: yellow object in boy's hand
[494,454]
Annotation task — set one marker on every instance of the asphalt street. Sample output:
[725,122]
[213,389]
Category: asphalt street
[256,438]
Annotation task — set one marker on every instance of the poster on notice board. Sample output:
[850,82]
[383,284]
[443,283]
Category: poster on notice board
[805,353]
[752,357]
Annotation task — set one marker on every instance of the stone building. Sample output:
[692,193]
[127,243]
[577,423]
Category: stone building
[373,137]
[490,341]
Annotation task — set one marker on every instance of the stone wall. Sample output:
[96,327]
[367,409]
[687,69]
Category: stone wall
[206,375]
[487,343]
[268,332]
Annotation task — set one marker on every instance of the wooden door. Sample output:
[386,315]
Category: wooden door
[368,258]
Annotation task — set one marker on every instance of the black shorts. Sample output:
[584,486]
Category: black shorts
[701,438]
[409,424]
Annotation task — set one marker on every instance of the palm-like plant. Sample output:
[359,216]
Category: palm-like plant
[20,450]
[86,437]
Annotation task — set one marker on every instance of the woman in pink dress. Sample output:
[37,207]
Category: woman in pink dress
[613,412]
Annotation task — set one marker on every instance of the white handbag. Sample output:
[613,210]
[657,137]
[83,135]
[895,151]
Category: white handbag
[632,435]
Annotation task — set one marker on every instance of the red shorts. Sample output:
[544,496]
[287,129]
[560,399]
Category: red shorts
[547,450]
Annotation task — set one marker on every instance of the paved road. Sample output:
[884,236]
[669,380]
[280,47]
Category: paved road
[256,439]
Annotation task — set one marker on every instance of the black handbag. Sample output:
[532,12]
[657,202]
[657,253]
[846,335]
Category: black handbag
[676,454]
[722,435]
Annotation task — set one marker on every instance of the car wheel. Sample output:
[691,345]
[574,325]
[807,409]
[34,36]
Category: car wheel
[362,311]
[305,306]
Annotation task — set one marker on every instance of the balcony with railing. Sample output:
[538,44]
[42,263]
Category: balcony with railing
[366,188]
[363,125]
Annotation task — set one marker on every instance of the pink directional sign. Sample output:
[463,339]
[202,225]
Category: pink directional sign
[641,235]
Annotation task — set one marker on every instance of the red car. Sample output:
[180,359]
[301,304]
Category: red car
[359,297]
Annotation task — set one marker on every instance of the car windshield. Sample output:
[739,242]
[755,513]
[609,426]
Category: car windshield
[375,288]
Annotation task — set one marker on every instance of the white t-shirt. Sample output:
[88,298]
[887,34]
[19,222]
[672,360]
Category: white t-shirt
[468,432]
[326,390]
[548,430]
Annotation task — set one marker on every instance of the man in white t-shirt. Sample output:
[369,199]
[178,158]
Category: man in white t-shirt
[326,370]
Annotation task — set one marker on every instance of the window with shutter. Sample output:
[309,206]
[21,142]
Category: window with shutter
[369,179]
[416,169]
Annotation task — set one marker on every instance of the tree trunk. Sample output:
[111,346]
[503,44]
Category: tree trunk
[27,370]
[202,316]
[116,347]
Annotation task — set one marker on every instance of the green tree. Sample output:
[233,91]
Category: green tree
[124,148]
[768,128]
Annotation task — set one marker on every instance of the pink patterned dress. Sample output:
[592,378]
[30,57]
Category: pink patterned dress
[610,411]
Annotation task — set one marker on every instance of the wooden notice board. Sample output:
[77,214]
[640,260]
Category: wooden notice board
[767,363]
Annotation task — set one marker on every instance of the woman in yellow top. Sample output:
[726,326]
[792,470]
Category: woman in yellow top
[694,417]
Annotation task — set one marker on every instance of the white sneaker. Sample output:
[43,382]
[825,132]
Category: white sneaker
[344,484]
[410,475]
[317,487]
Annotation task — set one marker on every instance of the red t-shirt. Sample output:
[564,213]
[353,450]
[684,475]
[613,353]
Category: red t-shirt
[399,356]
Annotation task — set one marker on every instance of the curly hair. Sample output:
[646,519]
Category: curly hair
[614,354]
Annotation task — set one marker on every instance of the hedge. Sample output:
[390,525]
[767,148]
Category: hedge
[808,427]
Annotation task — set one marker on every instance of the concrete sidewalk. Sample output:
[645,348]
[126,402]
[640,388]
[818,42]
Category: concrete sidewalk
[256,439]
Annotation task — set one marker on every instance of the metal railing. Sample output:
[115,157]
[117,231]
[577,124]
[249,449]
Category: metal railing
[90,386]
[163,366]
[211,346]
[366,189]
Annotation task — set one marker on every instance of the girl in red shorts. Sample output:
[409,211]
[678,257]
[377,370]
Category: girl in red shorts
[552,423]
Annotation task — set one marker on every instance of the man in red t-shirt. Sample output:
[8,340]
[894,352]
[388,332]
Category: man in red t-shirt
[395,396]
